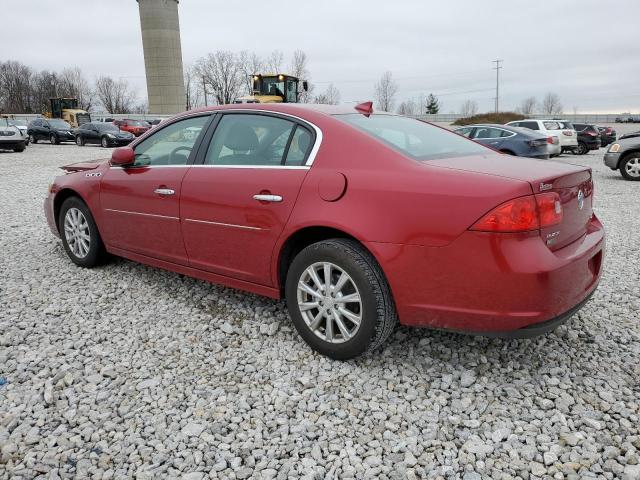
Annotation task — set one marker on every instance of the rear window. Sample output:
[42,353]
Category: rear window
[414,138]
[566,125]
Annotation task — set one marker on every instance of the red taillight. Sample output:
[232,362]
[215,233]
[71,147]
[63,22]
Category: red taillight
[550,140]
[592,134]
[522,214]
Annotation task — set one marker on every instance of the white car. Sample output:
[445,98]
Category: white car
[10,137]
[21,125]
[567,137]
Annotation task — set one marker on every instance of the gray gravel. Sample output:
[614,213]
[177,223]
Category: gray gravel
[129,372]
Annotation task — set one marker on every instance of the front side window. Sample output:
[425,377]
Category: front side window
[292,88]
[247,139]
[172,144]
[414,138]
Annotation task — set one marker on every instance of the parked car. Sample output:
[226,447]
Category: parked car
[22,126]
[588,138]
[607,135]
[359,219]
[105,134]
[567,137]
[624,155]
[630,135]
[52,129]
[510,140]
[11,137]
[155,122]
[137,127]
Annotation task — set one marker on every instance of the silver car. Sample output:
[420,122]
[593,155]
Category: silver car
[624,155]
[11,137]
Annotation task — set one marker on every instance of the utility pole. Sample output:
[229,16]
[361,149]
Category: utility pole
[204,89]
[497,69]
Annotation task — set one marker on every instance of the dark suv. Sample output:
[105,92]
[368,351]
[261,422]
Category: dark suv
[54,130]
[607,135]
[588,137]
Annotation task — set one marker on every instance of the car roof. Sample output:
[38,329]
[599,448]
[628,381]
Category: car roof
[290,108]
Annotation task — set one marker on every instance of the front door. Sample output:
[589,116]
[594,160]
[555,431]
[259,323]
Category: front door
[237,200]
[141,204]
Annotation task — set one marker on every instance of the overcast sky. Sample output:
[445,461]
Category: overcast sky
[586,51]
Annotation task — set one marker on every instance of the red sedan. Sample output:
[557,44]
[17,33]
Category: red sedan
[359,219]
[137,127]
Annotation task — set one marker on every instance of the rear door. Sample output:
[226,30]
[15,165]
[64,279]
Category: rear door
[237,200]
[140,204]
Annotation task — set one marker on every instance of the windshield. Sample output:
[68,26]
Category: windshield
[107,127]
[416,139]
[272,86]
[55,123]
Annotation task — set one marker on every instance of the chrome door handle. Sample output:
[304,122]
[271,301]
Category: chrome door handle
[164,191]
[267,198]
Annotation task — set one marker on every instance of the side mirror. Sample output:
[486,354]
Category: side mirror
[305,85]
[123,156]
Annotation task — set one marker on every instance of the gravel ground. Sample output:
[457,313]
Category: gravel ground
[125,371]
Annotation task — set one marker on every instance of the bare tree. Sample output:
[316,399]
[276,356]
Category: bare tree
[408,107]
[298,68]
[469,108]
[192,87]
[551,104]
[44,85]
[275,61]
[385,92]
[115,96]
[222,72]
[331,96]
[72,83]
[528,106]
[15,87]
[250,64]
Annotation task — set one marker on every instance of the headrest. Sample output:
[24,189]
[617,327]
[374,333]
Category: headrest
[241,138]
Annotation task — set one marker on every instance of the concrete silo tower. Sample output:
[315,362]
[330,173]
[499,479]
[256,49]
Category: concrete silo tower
[162,55]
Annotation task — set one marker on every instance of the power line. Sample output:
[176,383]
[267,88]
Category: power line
[497,69]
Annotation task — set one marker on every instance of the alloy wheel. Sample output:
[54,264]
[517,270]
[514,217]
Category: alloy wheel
[329,302]
[52,139]
[632,167]
[76,232]
[105,142]
[79,141]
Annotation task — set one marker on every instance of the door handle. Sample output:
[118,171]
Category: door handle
[164,191]
[267,198]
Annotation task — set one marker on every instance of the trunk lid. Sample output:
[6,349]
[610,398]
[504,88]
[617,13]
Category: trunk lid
[572,183]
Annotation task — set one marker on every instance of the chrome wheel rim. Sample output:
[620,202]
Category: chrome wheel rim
[329,302]
[79,141]
[76,232]
[632,167]
[52,140]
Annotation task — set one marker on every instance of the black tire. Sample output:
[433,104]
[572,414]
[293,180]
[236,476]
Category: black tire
[53,140]
[96,253]
[104,142]
[33,139]
[626,171]
[508,152]
[582,148]
[378,315]
[80,141]
[19,149]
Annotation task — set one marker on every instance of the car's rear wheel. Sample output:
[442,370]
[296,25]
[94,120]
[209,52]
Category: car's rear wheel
[33,139]
[79,234]
[339,299]
[53,140]
[80,141]
[582,148]
[630,167]
[105,142]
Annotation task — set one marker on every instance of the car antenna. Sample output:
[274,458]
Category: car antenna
[366,108]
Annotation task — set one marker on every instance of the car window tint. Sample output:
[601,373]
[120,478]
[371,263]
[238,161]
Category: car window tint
[505,133]
[414,138]
[465,132]
[245,139]
[551,125]
[170,145]
[487,132]
[530,125]
[299,147]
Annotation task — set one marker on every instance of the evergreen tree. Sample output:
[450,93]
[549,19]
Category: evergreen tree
[433,105]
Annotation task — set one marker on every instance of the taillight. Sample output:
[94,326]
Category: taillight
[550,140]
[592,134]
[522,214]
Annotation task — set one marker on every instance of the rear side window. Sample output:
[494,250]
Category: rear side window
[299,147]
[530,125]
[488,132]
[579,126]
[551,125]
[416,139]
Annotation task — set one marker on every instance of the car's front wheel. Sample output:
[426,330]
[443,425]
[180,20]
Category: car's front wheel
[32,138]
[53,140]
[630,167]
[104,142]
[80,141]
[339,299]
[79,233]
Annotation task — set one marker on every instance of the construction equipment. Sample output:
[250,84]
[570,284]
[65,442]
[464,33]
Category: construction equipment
[67,109]
[274,88]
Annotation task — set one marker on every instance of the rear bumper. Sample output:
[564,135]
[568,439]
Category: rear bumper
[492,283]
